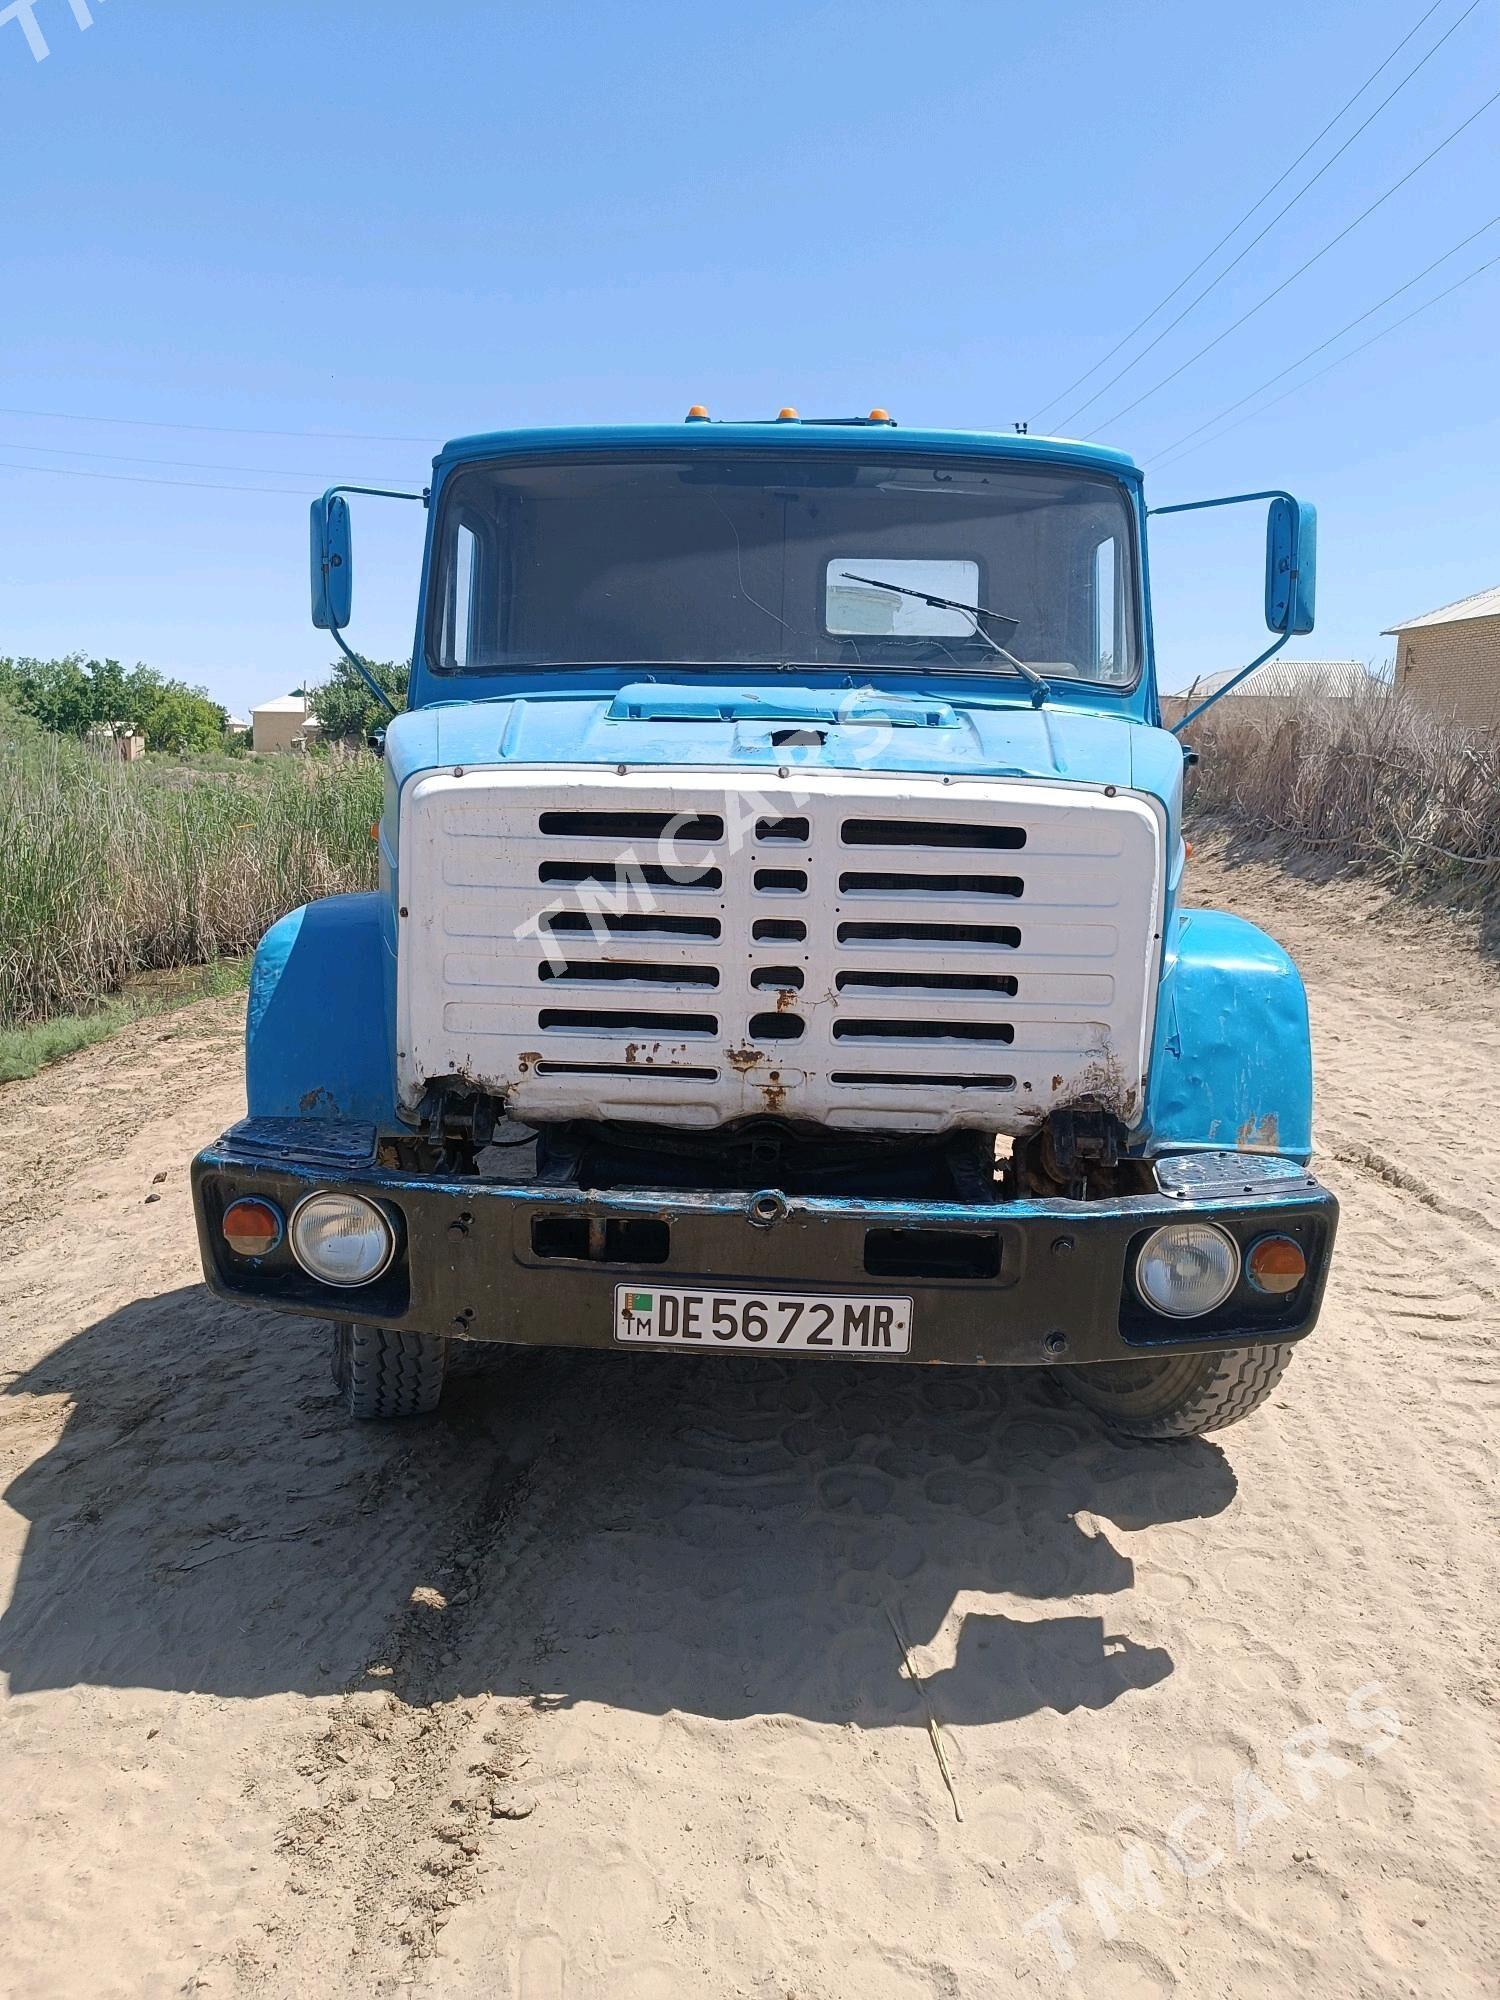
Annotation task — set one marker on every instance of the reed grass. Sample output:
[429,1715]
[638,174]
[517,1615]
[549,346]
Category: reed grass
[108,870]
[1373,780]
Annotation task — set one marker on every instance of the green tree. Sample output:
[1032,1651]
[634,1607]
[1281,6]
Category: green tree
[345,708]
[72,695]
[170,714]
[58,693]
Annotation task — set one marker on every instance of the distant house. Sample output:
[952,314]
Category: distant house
[1449,659]
[116,739]
[1277,685]
[282,724]
[235,726]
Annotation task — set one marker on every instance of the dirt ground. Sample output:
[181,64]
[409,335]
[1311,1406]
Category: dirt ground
[590,1686]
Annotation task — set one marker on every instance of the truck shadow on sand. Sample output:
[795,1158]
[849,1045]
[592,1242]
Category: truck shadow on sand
[716,1536]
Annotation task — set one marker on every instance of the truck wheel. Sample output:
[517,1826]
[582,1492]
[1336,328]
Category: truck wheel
[385,1374]
[1180,1396]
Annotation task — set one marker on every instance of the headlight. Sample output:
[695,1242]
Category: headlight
[1187,1268]
[341,1239]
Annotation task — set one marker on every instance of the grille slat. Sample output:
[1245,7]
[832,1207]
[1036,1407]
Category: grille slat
[929,934]
[613,875]
[918,1030]
[628,972]
[933,834]
[625,826]
[945,887]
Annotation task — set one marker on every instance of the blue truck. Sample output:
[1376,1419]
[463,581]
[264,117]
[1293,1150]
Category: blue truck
[782,943]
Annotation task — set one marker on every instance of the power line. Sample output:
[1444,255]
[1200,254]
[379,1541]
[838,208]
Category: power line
[1259,202]
[184,464]
[1369,313]
[1317,255]
[1339,360]
[219,430]
[1263,233]
[139,479]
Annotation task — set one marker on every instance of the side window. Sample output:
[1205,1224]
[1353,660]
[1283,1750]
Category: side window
[1107,663]
[461,580]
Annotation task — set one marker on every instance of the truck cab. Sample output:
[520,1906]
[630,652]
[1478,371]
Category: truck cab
[781,942]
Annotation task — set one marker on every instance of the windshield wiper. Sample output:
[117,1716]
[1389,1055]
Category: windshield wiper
[1040,691]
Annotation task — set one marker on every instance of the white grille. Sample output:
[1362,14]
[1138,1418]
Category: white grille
[891,952]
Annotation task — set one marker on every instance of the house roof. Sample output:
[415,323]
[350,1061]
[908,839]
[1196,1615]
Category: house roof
[283,704]
[1291,677]
[1483,604]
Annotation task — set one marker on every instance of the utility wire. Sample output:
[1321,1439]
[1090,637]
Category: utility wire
[1339,360]
[1261,234]
[139,479]
[1259,202]
[1316,257]
[219,430]
[188,464]
[1369,313]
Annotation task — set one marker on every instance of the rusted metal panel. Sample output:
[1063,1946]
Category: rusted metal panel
[967,952]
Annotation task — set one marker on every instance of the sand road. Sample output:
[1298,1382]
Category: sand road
[266,1678]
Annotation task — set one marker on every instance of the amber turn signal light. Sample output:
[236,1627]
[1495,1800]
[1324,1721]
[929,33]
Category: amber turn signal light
[251,1227]
[1276,1265]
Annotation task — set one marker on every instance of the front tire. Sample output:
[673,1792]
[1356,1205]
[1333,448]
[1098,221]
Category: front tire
[1180,1395]
[382,1374]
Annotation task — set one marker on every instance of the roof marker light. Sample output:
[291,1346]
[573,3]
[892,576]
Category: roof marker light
[879,416]
[787,416]
[698,414]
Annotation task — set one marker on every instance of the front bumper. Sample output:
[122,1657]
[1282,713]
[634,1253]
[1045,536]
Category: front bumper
[1023,1283]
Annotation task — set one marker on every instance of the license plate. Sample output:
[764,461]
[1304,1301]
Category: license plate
[787,1322]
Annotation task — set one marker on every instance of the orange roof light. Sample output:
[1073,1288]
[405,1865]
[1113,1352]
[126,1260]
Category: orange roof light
[879,416]
[698,414]
[787,416]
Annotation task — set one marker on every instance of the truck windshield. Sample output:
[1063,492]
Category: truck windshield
[724,561]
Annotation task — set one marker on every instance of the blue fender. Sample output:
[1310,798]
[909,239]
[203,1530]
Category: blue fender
[1231,1064]
[319,1032]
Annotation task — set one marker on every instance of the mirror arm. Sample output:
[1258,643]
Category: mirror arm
[1226,500]
[382,493]
[363,671]
[1229,685]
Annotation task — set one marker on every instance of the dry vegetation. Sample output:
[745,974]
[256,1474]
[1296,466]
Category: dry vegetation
[1374,781]
[108,871]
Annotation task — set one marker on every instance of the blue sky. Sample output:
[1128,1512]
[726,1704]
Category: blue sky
[416,218]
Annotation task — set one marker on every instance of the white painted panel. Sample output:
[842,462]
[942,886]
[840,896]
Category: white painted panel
[1078,931]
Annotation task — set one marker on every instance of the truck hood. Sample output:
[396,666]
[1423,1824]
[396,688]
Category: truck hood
[662,722]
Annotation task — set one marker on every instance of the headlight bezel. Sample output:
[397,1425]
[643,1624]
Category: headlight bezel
[294,1227]
[1185,1226]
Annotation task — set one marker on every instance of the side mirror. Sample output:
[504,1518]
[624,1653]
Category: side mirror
[332,565]
[1291,565]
